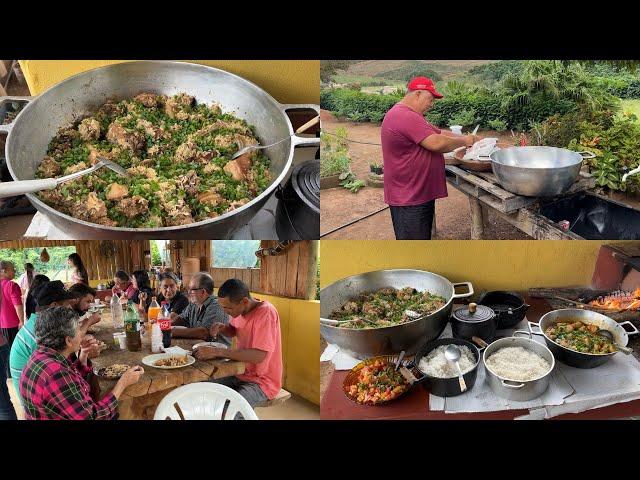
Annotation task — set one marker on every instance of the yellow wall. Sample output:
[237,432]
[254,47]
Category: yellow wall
[491,265]
[288,81]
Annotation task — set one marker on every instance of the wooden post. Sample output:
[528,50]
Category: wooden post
[477,221]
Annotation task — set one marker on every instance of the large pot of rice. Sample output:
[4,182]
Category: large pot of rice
[518,368]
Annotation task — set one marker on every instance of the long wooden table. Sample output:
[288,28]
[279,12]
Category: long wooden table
[139,401]
[335,405]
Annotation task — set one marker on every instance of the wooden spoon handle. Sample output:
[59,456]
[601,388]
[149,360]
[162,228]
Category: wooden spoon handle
[309,124]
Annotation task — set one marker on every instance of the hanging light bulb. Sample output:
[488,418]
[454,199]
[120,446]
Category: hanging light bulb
[44,255]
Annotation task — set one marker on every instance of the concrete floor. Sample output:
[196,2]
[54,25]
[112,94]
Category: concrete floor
[296,408]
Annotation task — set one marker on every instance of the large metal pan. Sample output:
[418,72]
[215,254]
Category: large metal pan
[572,357]
[83,94]
[387,340]
[537,171]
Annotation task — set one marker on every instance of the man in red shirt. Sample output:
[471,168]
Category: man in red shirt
[412,150]
[256,326]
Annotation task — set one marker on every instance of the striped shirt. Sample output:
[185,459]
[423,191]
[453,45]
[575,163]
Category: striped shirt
[23,346]
[53,388]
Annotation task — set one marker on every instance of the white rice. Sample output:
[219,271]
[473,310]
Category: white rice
[436,365]
[517,364]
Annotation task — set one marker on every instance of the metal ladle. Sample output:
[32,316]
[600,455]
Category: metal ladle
[20,187]
[452,354]
[302,129]
[609,336]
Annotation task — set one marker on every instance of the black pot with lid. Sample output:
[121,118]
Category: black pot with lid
[298,212]
[474,320]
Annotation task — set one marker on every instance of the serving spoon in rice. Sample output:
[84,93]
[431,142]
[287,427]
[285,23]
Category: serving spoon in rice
[20,187]
[452,354]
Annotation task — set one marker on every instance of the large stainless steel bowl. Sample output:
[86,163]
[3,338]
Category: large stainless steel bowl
[387,340]
[537,171]
[83,94]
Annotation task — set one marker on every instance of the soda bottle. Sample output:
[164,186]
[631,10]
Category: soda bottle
[132,329]
[154,310]
[164,322]
[116,312]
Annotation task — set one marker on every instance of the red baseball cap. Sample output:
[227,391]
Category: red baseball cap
[424,83]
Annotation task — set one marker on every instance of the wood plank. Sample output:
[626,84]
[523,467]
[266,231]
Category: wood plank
[255,280]
[292,269]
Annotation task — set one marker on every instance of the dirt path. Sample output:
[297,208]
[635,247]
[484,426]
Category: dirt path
[339,206]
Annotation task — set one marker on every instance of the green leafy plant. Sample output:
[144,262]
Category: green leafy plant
[351,182]
[334,153]
[497,124]
[464,118]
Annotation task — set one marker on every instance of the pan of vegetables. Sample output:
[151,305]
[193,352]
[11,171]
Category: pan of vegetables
[575,336]
[174,127]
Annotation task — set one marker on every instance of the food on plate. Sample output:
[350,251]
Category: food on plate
[376,383]
[173,361]
[113,371]
[386,307]
[517,364]
[580,337]
[436,365]
[177,152]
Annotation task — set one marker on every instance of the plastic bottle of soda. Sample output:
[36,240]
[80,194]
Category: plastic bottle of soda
[116,312]
[132,329]
[164,322]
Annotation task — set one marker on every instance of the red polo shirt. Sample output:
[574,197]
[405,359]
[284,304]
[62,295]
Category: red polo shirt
[413,175]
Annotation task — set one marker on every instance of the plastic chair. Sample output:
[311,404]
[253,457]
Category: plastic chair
[204,401]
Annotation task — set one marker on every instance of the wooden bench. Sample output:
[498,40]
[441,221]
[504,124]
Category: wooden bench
[281,397]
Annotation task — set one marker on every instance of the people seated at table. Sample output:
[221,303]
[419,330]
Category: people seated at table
[201,313]
[122,284]
[30,302]
[168,291]
[52,386]
[84,298]
[49,295]
[78,272]
[142,284]
[256,326]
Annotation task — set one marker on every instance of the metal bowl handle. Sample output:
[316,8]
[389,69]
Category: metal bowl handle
[296,140]
[522,333]
[511,386]
[633,331]
[462,295]
[6,128]
[533,326]
[586,155]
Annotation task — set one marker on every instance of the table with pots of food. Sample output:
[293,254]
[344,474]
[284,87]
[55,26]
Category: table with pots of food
[401,349]
[161,375]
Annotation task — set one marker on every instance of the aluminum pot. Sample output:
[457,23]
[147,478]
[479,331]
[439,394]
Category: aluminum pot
[445,387]
[572,357]
[371,342]
[537,171]
[512,390]
[80,95]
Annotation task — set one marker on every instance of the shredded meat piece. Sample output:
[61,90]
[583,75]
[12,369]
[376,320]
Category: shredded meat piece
[175,105]
[244,141]
[237,203]
[89,129]
[118,135]
[147,99]
[178,213]
[189,182]
[155,132]
[134,206]
[144,171]
[94,153]
[49,167]
[92,209]
[154,150]
[211,167]
[64,140]
[186,152]
[205,157]
[117,192]
[235,169]
[53,196]
[210,198]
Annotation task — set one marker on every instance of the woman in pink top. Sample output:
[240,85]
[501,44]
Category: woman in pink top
[412,151]
[11,309]
[256,326]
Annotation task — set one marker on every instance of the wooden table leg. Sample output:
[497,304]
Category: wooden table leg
[477,219]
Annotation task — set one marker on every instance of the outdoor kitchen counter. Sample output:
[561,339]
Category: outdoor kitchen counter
[335,405]
[140,400]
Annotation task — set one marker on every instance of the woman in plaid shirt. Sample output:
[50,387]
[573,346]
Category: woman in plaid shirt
[53,387]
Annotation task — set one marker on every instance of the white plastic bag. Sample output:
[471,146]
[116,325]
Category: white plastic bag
[483,148]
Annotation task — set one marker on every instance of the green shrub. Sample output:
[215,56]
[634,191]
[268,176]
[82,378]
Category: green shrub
[464,118]
[358,106]
[334,154]
[497,124]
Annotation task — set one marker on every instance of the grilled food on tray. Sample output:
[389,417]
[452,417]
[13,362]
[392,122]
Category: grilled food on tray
[580,337]
[113,371]
[177,152]
[386,307]
[377,383]
[174,361]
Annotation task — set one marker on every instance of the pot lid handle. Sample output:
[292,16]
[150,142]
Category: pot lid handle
[472,308]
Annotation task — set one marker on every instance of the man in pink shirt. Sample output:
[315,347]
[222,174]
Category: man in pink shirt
[412,151]
[256,326]
[11,308]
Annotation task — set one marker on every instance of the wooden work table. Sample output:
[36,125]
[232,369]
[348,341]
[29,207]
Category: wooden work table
[140,400]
